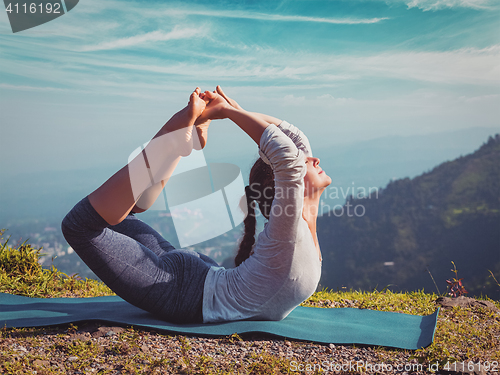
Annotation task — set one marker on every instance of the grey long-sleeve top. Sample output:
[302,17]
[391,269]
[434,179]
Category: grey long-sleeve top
[284,269]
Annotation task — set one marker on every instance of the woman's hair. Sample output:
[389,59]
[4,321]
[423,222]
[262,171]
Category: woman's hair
[260,189]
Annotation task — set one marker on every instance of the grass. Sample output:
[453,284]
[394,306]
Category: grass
[462,334]
[22,274]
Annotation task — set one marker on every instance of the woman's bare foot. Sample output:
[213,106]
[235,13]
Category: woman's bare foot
[215,108]
[215,105]
[232,102]
[201,124]
[196,104]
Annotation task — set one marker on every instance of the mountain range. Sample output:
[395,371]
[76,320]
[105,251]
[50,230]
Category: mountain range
[407,235]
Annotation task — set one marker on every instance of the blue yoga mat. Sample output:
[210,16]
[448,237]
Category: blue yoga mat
[321,325]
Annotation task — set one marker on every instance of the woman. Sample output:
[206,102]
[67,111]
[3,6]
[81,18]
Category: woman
[272,277]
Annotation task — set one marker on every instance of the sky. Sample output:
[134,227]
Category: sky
[86,89]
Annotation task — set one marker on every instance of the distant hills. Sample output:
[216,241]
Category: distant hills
[415,228]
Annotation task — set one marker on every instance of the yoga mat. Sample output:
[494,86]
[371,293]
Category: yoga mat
[321,325]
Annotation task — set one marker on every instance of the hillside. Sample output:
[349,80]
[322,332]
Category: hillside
[420,225]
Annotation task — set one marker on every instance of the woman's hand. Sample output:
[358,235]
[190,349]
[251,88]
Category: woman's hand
[216,107]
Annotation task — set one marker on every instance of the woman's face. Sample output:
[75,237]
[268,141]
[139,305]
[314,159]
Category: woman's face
[315,180]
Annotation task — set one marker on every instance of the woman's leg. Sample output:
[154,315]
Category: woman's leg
[137,264]
[141,232]
[147,236]
[166,282]
[119,194]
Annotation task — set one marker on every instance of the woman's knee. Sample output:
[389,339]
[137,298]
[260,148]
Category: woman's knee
[81,222]
[69,228]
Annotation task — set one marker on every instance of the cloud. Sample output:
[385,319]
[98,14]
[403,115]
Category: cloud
[330,100]
[294,100]
[314,101]
[33,88]
[466,65]
[147,11]
[427,5]
[277,70]
[153,36]
[273,17]
[481,98]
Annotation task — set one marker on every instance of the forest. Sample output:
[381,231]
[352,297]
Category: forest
[417,230]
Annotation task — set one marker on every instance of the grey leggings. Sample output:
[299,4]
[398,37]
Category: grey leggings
[139,265]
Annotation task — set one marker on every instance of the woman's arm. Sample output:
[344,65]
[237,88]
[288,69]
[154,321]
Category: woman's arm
[234,104]
[249,122]
[297,136]
[294,133]
[286,160]
[114,199]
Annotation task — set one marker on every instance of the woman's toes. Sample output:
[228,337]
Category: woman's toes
[192,96]
[205,98]
[210,95]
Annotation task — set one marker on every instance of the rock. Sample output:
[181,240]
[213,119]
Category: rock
[19,348]
[41,363]
[80,336]
[107,331]
[465,302]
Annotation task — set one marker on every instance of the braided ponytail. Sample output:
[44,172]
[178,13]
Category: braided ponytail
[260,182]
[248,239]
